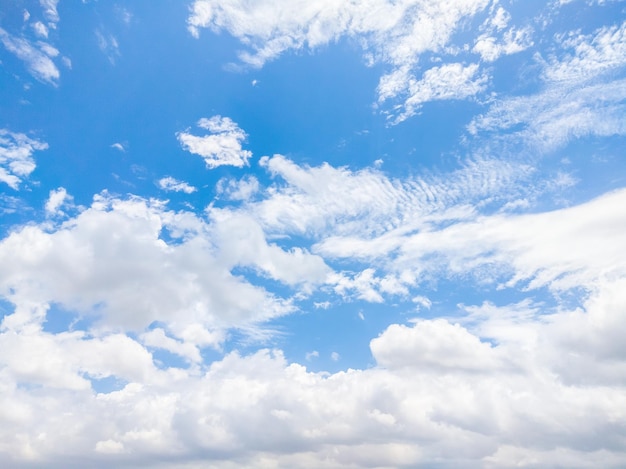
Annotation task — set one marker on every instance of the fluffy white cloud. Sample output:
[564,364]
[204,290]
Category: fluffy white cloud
[110,261]
[221,147]
[171,184]
[494,406]
[56,199]
[16,161]
[397,32]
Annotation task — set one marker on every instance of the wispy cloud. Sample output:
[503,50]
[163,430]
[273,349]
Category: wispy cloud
[108,45]
[171,184]
[450,81]
[36,57]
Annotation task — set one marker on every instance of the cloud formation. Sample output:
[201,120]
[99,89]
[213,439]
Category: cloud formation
[16,161]
[171,184]
[222,146]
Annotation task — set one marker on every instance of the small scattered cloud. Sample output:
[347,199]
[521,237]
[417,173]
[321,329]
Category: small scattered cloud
[56,199]
[174,185]
[40,29]
[422,302]
[16,161]
[108,45]
[124,15]
[311,355]
[222,146]
[118,146]
[334,356]
[37,57]
[50,10]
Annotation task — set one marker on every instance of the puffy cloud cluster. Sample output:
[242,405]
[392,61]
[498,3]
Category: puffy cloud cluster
[221,147]
[543,392]
[16,161]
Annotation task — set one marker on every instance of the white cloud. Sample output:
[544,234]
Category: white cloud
[221,147]
[170,184]
[119,147]
[450,81]
[589,55]
[16,161]
[110,260]
[435,344]
[40,29]
[242,189]
[502,383]
[50,10]
[108,45]
[558,115]
[311,355]
[334,202]
[158,339]
[493,402]
[514,40]
[37,59]
[55,200]
[392,33]
[581,96]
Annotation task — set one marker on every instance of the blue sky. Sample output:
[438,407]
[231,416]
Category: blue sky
[293,234]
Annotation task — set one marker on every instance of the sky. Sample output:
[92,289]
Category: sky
[313,233]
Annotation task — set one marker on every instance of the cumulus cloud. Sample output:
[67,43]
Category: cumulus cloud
[114,236]
[16,161]
[438,392]
[223,145]
[171,184]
